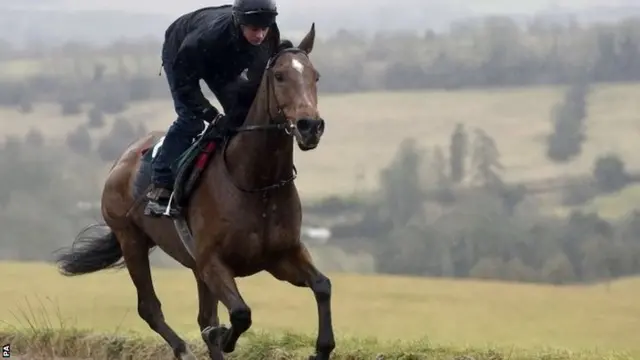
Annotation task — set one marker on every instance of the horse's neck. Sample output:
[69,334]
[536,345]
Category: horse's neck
[261,157]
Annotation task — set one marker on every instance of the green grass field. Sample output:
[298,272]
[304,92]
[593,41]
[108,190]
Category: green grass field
[364,130]
[438,316]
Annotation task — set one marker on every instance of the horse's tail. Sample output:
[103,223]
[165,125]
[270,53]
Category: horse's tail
[90,253]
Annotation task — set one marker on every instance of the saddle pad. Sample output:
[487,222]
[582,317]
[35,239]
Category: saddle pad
[157,146]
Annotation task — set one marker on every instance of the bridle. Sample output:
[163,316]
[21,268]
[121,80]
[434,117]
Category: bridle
[284,124]
[279,122]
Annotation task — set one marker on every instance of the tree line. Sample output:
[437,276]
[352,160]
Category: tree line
[441,211]
[492,52]
[429,225]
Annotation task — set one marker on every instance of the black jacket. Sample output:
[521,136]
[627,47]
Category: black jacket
[205,44]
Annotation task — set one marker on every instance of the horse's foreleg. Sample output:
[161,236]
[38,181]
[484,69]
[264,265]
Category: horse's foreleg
[223,286]
[298,269]
[208,319]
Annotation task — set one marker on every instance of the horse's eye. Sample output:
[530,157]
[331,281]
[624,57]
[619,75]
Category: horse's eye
[279,76]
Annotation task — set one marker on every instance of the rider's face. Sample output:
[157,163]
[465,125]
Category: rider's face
[254,35]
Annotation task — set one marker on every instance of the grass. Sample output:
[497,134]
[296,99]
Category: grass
[435,318]
[364,130]
[73,344]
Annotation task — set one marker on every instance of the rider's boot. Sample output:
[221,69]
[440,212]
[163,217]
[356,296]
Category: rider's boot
[159,198]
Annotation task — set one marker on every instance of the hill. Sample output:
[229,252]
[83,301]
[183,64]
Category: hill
[365,129]
[383,308]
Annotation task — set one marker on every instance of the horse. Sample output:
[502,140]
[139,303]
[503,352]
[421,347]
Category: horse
[243,215]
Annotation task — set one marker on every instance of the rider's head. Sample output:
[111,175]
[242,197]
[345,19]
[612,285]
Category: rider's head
[254,18]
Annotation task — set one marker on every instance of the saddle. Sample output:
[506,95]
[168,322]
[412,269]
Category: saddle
[189,166]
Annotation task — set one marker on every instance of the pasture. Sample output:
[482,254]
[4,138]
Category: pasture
[365,129]
[436,318]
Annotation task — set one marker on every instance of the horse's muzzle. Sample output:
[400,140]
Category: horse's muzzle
[309,133]
[310,127]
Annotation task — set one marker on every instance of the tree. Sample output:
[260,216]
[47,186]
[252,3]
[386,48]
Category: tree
[610,173]
[400,182]
[565,142]
[486,161]
[79,140]
[458,153]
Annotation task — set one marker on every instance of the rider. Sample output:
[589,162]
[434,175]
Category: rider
[215,44]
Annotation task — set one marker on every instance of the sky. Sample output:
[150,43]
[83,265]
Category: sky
[176,7]
[61,20]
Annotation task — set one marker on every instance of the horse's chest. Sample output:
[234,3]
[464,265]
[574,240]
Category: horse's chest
[274,221]
[273,226]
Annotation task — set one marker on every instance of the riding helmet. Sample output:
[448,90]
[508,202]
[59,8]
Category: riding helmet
[258,13]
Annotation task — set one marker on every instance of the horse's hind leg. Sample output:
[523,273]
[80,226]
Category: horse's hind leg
[223,286]
[135,250]
[208,317]
[298,269]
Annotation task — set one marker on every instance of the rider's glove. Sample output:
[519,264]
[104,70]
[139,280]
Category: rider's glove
[209,114]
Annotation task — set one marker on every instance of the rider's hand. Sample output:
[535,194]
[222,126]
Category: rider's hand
[209,114]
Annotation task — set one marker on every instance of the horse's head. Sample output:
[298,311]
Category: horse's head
[291,80]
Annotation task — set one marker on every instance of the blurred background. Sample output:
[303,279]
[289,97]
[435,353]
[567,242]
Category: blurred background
[465,139]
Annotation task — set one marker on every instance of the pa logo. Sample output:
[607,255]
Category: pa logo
[6,351]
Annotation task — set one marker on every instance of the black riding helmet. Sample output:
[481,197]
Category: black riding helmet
[258,13]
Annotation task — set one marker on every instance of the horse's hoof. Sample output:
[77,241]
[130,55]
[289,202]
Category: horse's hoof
[319,357]
[216,355]
[212,336]
[229,347]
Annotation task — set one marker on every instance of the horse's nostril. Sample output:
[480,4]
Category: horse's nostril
[304,125]
[310,125]
[320,126]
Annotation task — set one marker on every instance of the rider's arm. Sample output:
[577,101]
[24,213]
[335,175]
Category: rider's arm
[186,73]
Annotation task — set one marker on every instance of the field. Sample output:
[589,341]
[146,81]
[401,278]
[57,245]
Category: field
[435,317]
[364,130]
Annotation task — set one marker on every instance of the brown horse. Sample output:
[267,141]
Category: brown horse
[244,214]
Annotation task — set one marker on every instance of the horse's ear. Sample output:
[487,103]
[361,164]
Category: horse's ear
[306,44]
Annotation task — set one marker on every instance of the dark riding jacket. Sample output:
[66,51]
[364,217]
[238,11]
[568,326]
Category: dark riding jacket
[206,44]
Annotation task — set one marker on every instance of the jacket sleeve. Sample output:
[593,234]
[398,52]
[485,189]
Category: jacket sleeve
[186,79]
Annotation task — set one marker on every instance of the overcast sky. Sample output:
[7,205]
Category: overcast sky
[62,24]
[174,7]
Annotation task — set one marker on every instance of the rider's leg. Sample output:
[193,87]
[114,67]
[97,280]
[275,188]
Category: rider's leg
[177,140]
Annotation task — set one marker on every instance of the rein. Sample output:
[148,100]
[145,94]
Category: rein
[280,123]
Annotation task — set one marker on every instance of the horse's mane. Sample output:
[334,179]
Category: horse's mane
[242,93]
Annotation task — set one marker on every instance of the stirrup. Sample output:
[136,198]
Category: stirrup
[170,211]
